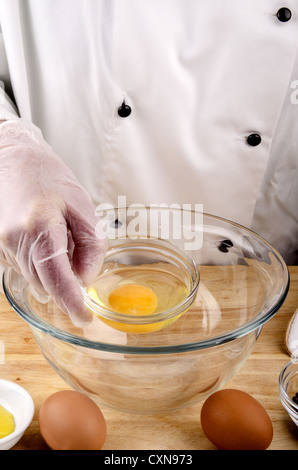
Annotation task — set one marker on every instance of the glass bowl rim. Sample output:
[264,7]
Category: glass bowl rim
[248,327]
[283,380]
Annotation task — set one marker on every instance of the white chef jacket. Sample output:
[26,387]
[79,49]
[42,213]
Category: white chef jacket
[199,77]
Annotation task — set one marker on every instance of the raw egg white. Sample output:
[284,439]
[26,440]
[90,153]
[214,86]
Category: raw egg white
[69,420]
[234,420]
[139,291]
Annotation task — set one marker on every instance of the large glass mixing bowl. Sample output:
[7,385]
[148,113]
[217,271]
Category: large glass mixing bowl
[236,282]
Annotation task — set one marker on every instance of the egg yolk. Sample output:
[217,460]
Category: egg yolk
[7,424]
[133,299]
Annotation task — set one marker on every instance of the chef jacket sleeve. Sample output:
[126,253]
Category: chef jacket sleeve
[8,109]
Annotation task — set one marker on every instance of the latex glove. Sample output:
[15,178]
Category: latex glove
[47,220]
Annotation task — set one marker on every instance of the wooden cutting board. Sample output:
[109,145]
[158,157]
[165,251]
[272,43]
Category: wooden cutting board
[22,362]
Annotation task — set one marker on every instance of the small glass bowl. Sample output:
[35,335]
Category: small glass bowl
[288,388]
[149,258]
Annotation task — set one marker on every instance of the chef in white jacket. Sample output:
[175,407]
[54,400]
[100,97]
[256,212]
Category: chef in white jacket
[158,101]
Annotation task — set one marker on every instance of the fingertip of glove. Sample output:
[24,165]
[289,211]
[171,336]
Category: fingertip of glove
[81,319]
[87,270]
[76,310]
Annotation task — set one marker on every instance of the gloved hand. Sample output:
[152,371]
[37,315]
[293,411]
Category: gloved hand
[47,220]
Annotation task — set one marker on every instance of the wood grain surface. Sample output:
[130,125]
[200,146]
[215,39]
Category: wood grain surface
[22,363]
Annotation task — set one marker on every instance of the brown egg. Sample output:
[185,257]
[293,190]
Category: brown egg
[234,420]
[69,420]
